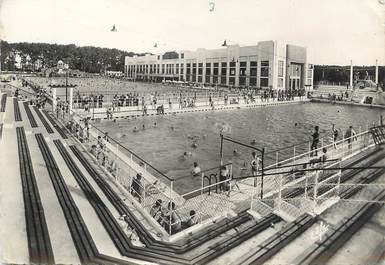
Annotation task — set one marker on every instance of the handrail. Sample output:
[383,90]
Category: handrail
[206,170]
[205,187]
[327,135]
[19,88]
[214,175]
[131,152]
[320,148]
[209,186]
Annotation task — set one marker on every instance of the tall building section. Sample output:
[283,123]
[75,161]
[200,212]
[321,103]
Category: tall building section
[269,64]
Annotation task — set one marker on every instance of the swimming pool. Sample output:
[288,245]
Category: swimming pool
[162,140]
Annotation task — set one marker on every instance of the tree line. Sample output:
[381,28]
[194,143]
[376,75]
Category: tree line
[87,58]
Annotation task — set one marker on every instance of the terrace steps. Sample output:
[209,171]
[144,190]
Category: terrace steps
[62,244]
[286,210]
[12,215]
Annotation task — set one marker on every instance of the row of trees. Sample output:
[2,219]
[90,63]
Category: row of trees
[89,59]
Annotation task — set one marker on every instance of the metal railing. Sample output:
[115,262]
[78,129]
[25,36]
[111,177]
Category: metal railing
[145,184]
[304,170]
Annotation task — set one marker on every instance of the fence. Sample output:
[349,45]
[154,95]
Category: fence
[149,187]
[303,171]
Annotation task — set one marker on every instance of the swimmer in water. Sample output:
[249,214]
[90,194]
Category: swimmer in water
[143,127]
[172,128]
[253,142]
[154,124]
[135,129]
[235,152]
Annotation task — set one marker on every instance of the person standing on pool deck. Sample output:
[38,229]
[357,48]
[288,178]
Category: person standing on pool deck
[255,163]
[223,175]
[349,135]
[314,145]
[335,136]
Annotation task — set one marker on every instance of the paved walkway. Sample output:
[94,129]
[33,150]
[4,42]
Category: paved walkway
[126,112]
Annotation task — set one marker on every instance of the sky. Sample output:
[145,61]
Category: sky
[334,31]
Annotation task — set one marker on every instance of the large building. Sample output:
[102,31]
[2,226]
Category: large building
[269,64]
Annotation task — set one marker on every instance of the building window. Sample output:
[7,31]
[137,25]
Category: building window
[242,81]
[295,70]
[253,81]
[264,80]
[194,69]
[253,68]
[231,81]
[280,69]
[215,70]
[242,69]
[265,68]
[280,82]
[200,68]
[223,70]
[182,55]
[232,68]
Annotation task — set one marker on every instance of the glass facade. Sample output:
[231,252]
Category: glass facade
[264,79]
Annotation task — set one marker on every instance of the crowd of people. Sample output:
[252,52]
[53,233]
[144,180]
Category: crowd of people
[343,96]
[159,102]
[164,213]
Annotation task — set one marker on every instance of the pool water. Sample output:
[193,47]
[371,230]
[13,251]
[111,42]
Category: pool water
[164,139]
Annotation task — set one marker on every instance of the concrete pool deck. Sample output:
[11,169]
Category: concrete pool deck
[349,103]
[127,112]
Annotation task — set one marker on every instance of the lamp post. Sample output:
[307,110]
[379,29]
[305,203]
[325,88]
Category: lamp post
[66,67]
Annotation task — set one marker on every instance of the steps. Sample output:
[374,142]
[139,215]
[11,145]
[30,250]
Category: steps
[39,243]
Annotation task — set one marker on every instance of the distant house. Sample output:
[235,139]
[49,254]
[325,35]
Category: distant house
[116,74]
[56,71]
